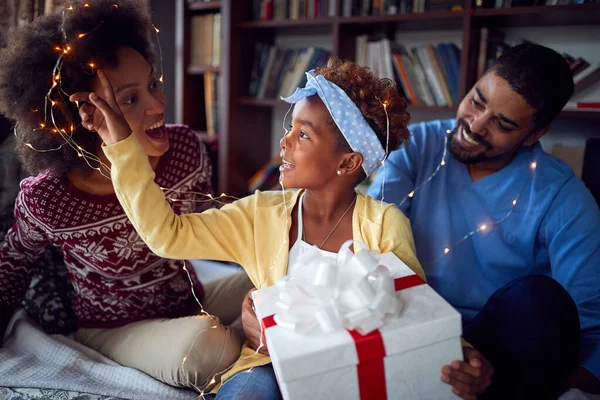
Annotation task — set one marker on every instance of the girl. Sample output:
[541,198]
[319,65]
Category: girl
[131,305]
[338,137]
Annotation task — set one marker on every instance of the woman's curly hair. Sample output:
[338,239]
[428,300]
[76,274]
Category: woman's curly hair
[368,92]
[94,33]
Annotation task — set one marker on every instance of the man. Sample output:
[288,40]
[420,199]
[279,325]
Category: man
[504,231]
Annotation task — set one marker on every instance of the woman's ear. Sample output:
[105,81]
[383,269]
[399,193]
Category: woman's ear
[351,163]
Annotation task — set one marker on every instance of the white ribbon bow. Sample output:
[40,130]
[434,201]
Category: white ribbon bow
[354,292]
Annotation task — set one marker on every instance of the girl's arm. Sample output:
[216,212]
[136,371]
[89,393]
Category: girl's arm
[396,236]
[225,234]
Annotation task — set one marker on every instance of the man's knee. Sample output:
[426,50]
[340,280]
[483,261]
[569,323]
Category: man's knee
[539,295]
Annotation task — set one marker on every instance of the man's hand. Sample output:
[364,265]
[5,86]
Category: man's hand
[252,326]
[101,113]
[468,378]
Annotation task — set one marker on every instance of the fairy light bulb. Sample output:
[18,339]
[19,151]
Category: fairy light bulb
[448,131]
[42,125]
[514,202]
[483,227]
[533,165]
[443,163]
[86,5]
[446,250]
[411,194]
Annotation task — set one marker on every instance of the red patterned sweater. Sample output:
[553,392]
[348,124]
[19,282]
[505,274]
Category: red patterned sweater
[117,279]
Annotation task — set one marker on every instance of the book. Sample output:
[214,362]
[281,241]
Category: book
[202,41]
[587,78]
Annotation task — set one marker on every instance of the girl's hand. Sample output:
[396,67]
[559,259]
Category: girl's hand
[471,377]
[101,113]
[251,325]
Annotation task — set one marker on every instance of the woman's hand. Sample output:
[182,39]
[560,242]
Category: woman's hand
[471,377]
[252,326]
[101,113]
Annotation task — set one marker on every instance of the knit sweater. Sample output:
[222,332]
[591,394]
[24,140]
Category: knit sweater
[117,279]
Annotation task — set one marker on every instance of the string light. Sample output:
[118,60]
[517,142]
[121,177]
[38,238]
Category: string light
[96,164]
[482,227]
[387,144]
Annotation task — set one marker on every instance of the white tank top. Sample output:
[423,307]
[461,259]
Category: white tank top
[300,246]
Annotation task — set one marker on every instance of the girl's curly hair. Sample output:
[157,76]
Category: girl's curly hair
[368,93]
[94,34]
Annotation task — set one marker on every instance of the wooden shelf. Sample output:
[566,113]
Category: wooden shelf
[202,69]
[204,6]
[571,14]
[239,158]
[287,23]
[358,20]
[426,16]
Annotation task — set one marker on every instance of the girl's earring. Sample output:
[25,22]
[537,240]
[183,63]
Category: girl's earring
[339,172]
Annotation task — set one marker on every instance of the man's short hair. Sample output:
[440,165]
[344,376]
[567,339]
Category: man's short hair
[540,75]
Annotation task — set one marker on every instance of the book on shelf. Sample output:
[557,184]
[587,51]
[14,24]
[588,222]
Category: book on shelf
[267,177]
[583,105]
[205,40]
[353,8]
[280,10]
[211,102]
[202,1]
[277,72]
[426,75]
[528,3]
[586,78]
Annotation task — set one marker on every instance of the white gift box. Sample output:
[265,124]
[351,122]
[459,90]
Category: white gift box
[401,360]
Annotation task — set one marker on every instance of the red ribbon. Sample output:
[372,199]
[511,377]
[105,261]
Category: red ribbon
[370,350]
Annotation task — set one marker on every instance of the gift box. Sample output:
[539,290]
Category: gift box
[402,359]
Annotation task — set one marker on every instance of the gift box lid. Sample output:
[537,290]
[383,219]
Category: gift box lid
[426,318]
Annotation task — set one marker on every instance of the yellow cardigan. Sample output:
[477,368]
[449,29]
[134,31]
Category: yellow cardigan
[253,231]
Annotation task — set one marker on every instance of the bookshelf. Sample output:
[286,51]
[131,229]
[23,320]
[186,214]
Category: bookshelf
[246,123]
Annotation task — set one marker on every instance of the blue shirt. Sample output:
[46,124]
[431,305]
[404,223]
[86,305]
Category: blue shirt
[553,230]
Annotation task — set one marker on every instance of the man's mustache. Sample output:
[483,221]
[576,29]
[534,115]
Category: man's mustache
[476,136]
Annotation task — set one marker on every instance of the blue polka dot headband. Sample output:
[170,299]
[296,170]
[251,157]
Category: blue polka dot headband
[347,117]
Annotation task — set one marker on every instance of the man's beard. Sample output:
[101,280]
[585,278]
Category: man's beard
[467,156]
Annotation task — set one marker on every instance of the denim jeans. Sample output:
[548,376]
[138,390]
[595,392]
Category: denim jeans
[257,383]
[529,331]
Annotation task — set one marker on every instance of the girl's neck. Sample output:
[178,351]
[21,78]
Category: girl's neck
[326,206]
